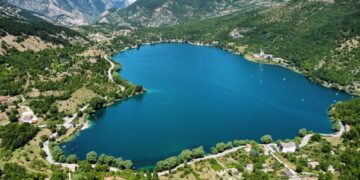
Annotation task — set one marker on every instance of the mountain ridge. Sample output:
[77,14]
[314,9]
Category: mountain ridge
[68,12]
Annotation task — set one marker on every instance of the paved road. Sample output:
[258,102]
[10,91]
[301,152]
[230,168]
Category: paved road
[163,173]
[49,157]
[337,134]
[305,140]
[112,66]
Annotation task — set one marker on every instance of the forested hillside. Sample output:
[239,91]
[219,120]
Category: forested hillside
[153,13]
[47,73]
[321,38]
[22,30]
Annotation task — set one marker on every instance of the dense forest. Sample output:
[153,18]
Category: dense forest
[349,113]
[16,135]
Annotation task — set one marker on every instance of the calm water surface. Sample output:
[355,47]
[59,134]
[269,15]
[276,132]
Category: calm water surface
[198,96]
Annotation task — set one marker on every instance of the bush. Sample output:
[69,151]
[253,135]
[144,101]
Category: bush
[44,138]
[97,103]
[316,137]
[302,132]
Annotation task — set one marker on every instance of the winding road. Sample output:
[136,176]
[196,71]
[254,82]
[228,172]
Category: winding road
[305,139]
[112,66]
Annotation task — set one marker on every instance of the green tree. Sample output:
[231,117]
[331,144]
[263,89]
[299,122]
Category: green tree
[62,131]
[13,115]
[336,126]
[155,175]
[316,137]
[198,152]
[58,175]
[105,159]
[44,138]
[128,164]
[14,171]
[2,107]
[15,135]
[302,132]
[219,147]
[299,168]
[185,156]
[84,166]
[91,157]
[72,158]
[266,139]
[102,168]
[97,103]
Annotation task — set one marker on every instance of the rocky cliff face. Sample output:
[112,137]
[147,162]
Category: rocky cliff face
[70,12]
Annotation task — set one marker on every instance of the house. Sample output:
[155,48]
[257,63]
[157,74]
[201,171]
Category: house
[72,167]
[347,127]
[93,60]
[248,147]
[250,168]
[287,147]
[313,164]
[55,135]
[234,171]
[4,99]
[27,117]
[263,55]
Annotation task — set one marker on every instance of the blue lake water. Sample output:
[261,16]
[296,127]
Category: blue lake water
[199,96]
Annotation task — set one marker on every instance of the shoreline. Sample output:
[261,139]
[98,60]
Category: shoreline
[304,141]
[247,57]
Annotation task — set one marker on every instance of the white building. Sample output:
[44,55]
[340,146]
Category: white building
[250,168]
[27,117]
[313,164]
[287,147]
[263,55]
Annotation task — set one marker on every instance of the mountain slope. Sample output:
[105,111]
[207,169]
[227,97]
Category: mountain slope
[70,12]
[22,30]
[153,13]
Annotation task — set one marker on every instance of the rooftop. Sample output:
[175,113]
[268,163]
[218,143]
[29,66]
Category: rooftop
[287,144]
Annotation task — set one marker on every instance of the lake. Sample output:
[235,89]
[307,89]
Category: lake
[199,96]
